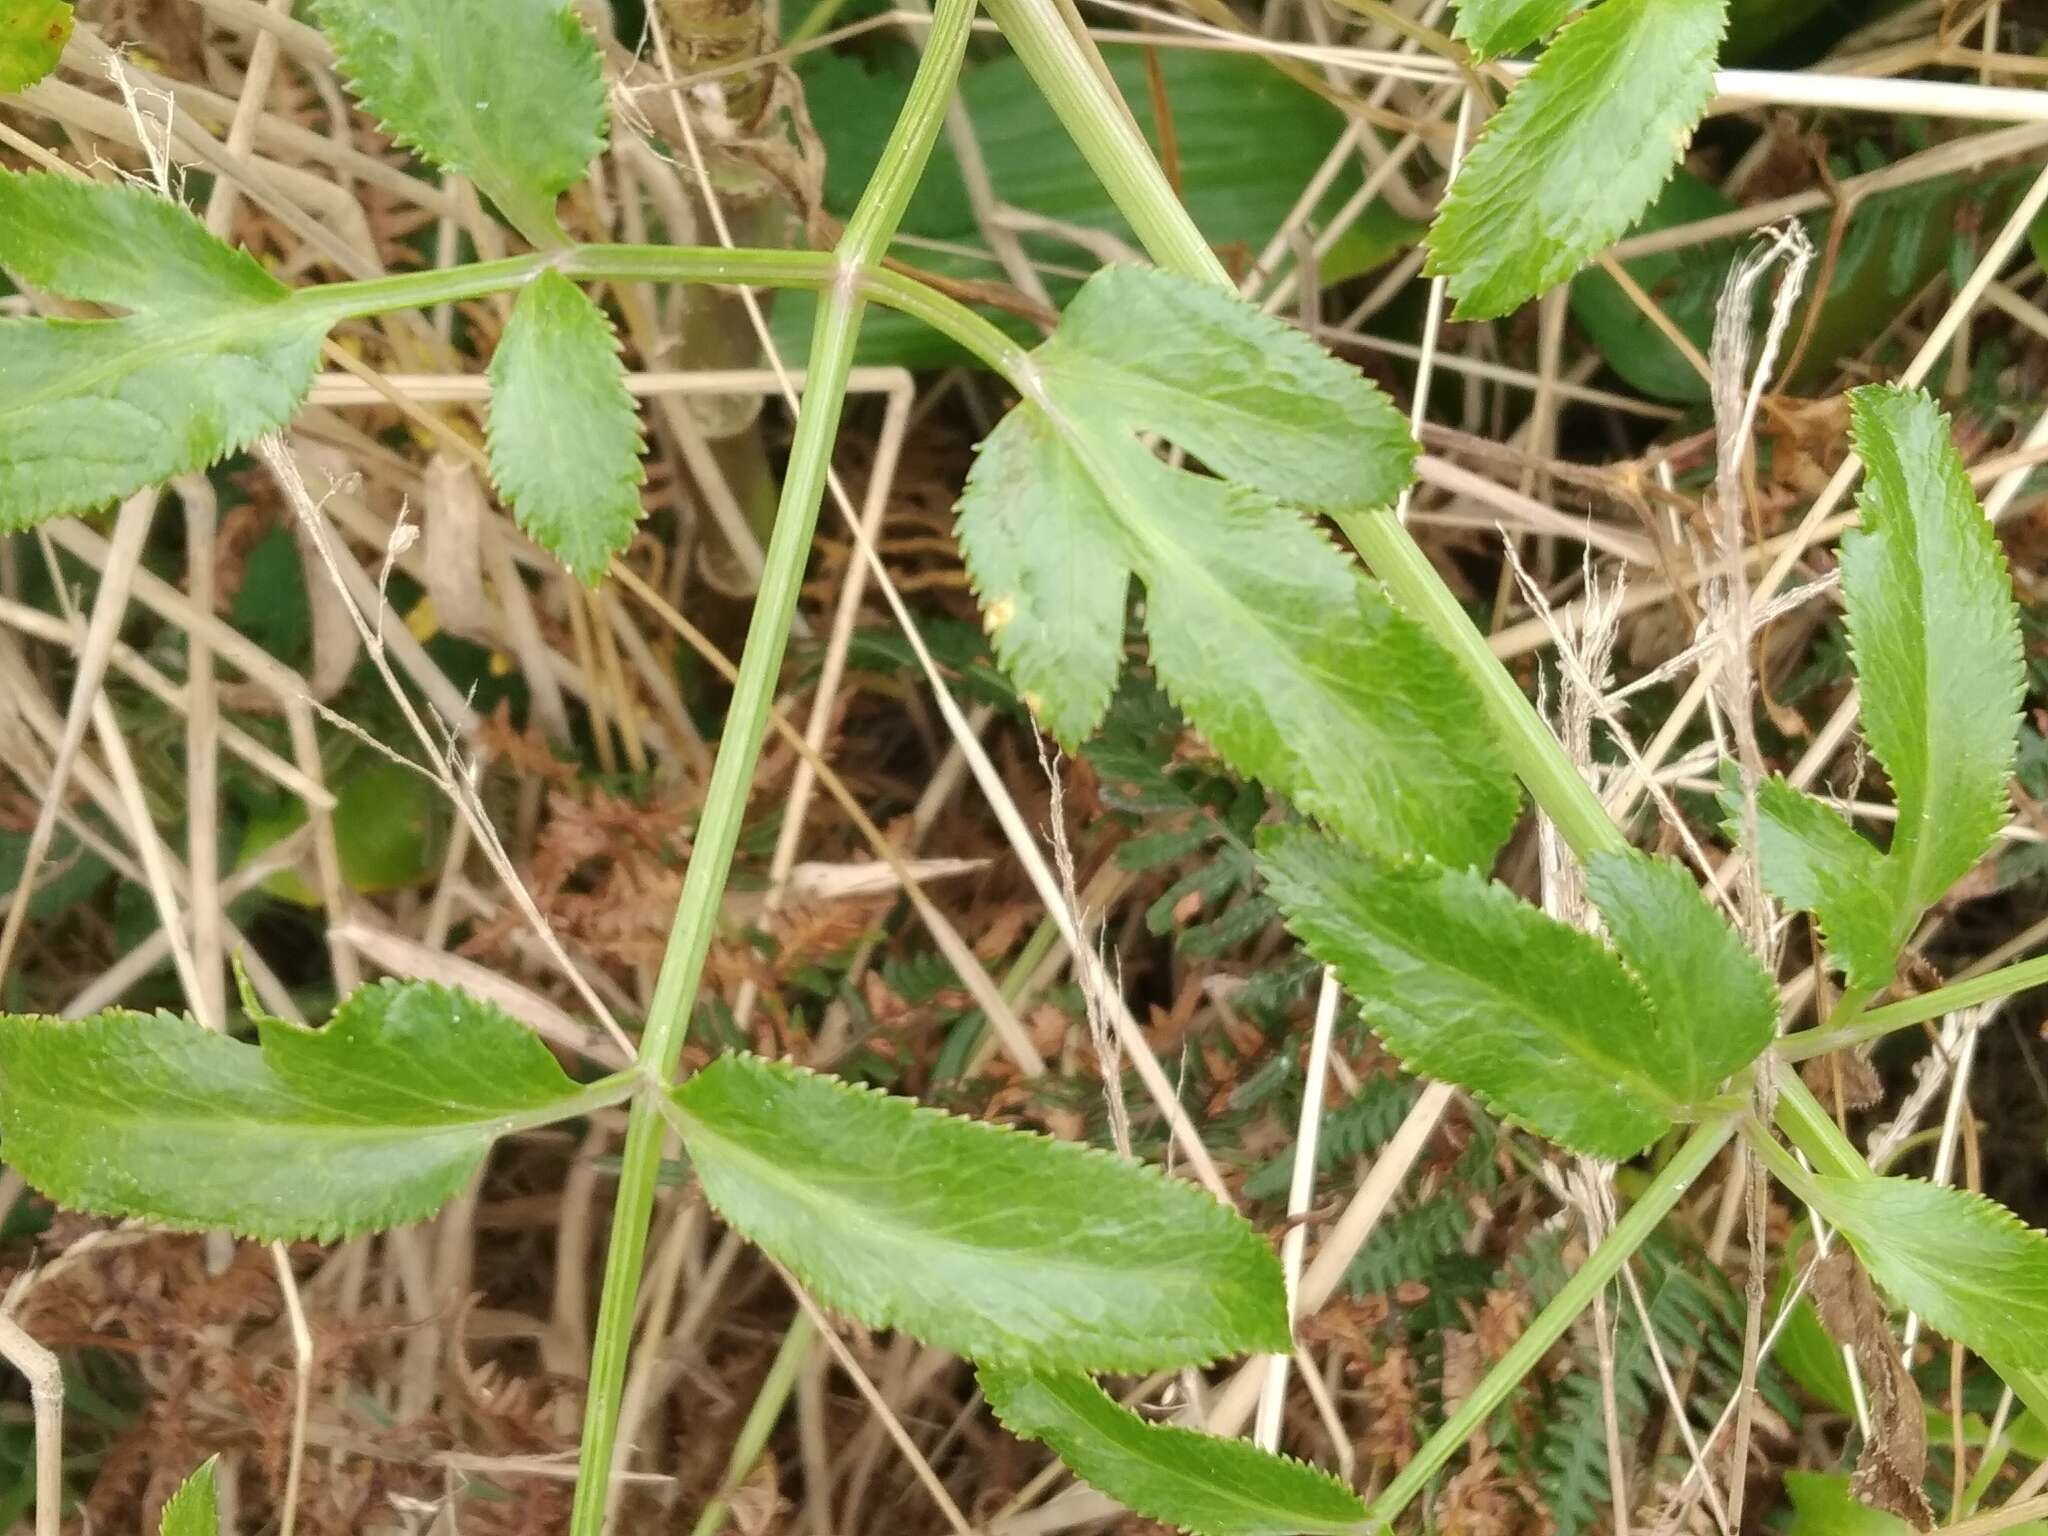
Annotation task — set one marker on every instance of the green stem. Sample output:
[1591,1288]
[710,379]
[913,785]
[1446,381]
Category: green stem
[1532,751]
[814,270]
[2003,982]
[336,302]
[697,910]
[1630,1233]
[1994,1459]
[1783,1165]
[920,301]
[831,360]
[768,1405]
[1809,1127]
[1848,1007]
[1064,67]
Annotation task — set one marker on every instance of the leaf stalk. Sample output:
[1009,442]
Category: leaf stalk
[810,270]
[2006,981]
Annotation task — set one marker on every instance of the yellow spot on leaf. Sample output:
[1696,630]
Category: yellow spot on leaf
[1000,612]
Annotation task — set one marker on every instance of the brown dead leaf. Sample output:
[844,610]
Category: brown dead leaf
[757,1505]
[1049,1025]
[1004,932]
[1843,1080]
[1351,1321]
[1893,1466]
[1478,1501]
[1500,1321]
[1391,1398]
[1464,1364]
[523,750]
[1065,1124]
[812,933]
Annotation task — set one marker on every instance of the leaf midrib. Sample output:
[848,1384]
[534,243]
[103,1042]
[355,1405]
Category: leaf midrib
[391,1084]
[1089,369]
[1102,457]
[326,1123]
[212,338]
[328,1129]
[486,173]
[1546,1018]
[1165,554]
[1906,859]
[1144,1442]
[856,1214]
[1315,884]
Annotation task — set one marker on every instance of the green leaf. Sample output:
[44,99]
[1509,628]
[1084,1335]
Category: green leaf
[116,243]
[390,827]
[1197,1482]
[1716,1008]
[1892,246]
[996,1244]
[1966,1264]
[1823,1505]
[1494,27]
[94,410]
[1249,395]
[2027,1434]
[1814,861]
[194,1510]
[564,434]
[1895,243]
[1052,582]
[214,354]
[374,1121]
[1468,983]
[509,93]
[32,38]
[1278,647]
[1936,639]
[1303,675]
[72,877]
[2030,1386]
[1809,1354]
[1578,152]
